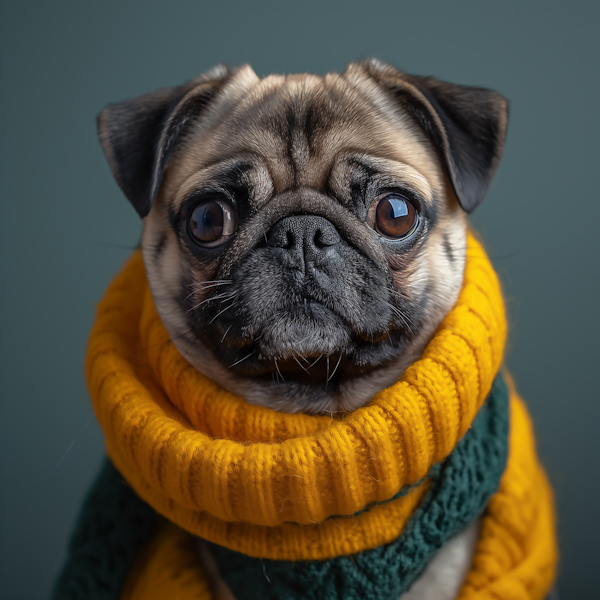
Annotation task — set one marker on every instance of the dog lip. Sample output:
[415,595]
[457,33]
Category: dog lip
[303,330]
[314,370]
[286,355]
[321,371]
[308,329]
[309,312]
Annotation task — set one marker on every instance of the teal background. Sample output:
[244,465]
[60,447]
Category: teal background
[66,228]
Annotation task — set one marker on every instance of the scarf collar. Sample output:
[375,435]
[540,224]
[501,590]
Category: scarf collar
[387,484]
[245,476]
[515,555]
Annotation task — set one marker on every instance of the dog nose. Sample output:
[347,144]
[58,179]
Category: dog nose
[305,237]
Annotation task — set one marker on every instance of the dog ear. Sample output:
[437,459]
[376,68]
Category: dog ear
[138,135]
[466,125]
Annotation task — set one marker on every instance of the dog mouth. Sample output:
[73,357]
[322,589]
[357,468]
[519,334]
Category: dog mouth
[322,370]
[309,330]
[309,343]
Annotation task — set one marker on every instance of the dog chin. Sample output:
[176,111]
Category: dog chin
[310,331]
[321,385]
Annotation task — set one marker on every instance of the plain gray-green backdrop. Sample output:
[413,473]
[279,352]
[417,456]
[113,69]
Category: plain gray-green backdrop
[66,227]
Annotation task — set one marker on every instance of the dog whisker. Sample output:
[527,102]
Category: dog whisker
[439,349]
[404,318]
[427,311]
[333,520]
[336,366]
[226,332]
[217,297]
[315,361]
[301,365]
[278,371]
[221,312]
[241,359]
[212,283]
[208,287]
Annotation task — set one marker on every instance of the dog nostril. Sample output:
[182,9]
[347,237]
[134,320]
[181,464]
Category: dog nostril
[280,238]
[329,237]
[303,233]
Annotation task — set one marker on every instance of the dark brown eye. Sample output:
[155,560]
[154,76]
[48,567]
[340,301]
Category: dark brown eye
[393,216]
[212,222]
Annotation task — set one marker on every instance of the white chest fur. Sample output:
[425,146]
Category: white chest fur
[445,574]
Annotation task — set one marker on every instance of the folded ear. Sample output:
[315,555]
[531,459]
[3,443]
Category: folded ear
[466,125]
[138,135]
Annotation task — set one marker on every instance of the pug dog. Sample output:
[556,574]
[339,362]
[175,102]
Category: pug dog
[304,236]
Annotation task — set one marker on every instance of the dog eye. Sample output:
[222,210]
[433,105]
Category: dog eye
[393,216]
[212,222]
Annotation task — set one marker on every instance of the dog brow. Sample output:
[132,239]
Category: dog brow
[245,173]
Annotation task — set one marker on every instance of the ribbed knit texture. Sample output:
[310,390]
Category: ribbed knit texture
[215,465]
[459,494]
[115,523]
[314,489]
[516,555]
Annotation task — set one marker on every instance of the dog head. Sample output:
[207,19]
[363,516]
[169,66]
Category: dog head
[304,236]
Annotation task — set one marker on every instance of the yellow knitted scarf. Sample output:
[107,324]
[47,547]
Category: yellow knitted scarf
[288,487]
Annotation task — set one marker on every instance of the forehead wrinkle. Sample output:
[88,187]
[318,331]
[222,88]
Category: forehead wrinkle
[255,126]
[390,171]
[255,113]
[258,124]
[210,178]
[371,124]
[352,116]
[288,123]
[402,138]
[285,120]
[195,151]
[327,117]
[373,175]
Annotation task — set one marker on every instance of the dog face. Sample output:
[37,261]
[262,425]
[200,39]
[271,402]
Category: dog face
[304,236]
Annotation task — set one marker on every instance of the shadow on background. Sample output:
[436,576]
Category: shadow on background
[66,228]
